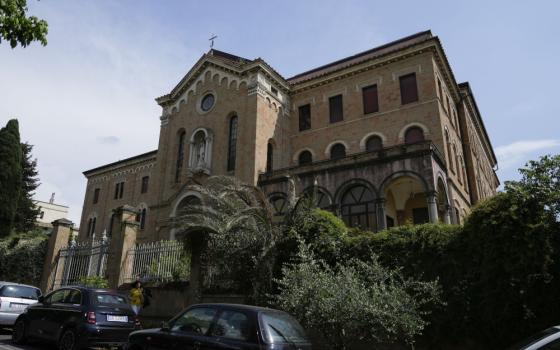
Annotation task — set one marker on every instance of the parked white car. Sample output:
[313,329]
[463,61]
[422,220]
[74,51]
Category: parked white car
[14,298]
[548,339]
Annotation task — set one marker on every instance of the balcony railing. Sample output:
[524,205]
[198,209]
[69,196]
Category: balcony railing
[393,152]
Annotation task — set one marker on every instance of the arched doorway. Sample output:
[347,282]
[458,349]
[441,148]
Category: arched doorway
[357,207]
[405,201]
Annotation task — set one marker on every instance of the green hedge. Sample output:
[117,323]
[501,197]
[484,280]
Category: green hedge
[22,257]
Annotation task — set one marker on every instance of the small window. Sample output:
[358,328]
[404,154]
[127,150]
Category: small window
[413,135]
[274,91]
[370,100]
[96,195]
[305,117]
[409,89]
[439,88]
[448,108]
[232,143]
[91,226]
[119,190]
[374,143]
[145,182]
[232,325]
[335,109]
[338,151]
[305,157]
[180,156]
[74,297]
[196,321]
[269,157]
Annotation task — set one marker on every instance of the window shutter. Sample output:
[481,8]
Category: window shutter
[370,99]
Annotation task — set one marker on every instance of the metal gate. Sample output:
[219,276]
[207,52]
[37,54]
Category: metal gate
[80,259]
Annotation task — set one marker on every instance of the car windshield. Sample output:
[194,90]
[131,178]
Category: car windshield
[280,327]
[105,298]
[21,292]
[534,338]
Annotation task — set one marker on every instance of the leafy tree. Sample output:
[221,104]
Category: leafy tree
[239,235]
[27,212]
[17,28]
[540,182]
[356,301]
[93,282]
[10,175]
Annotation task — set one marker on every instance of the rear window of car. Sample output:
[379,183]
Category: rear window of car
[21,292]
[280,327]
[112,299]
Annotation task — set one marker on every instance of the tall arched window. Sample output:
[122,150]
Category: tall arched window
[269,157]
[374,143]
[338,151]
[305,157]
[91,226]
[141,217]
[358,207]
[232,143]
[413,135]
[180,156]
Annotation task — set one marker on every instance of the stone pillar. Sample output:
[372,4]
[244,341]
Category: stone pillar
[432,206]
[447,214]
[62,229]
[123,237]
[196,276]
[381,216]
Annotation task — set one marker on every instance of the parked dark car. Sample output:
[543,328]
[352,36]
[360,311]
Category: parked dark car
[77,317]
[224,326]
[548,339]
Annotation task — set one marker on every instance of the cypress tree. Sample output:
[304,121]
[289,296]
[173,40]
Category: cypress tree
[27,212]
[10,175]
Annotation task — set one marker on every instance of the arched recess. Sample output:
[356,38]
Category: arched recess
[405,195]
[270,161]
[279,202]
[443,203]
[323,198]
[200,150]
[364,140]
[411,125]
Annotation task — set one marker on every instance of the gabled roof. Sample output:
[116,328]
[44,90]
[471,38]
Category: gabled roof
[362,56]
[140,157]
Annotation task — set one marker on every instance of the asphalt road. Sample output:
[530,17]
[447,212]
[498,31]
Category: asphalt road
[6,343]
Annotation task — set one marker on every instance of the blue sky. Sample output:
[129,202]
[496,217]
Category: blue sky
[87,98]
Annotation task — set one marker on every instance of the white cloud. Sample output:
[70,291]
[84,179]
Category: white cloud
[517,153]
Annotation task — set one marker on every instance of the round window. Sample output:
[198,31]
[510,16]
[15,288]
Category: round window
[207,102]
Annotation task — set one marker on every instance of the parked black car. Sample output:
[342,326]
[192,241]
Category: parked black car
[77,317]
[224,326]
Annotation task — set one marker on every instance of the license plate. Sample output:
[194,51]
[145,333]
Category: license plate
[16,306]
[112,318]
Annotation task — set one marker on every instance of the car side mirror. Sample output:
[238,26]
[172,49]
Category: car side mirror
[165,327]
[41,299]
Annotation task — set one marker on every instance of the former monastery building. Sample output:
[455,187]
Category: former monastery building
[388,136]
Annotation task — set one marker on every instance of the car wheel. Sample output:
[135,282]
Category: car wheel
[18,333]
[68,340]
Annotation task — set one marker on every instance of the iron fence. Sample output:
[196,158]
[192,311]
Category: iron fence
[160,261]
[78,260]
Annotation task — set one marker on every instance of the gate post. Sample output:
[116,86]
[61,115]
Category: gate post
[123,238]
[62,229]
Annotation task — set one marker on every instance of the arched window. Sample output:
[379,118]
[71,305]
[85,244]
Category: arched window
[459,169]
[374,143]
[269,157]
[305,157]
[180,156]
[322,199]
[186,203]
[413,135]
[91,226]
[279,204]
[232,143]
[358,207]
[338,151]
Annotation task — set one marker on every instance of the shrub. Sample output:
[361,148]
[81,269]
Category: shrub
[93,282]
[22,257]
[356,301]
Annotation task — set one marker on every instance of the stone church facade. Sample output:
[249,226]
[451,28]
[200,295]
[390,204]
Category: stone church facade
[384,137]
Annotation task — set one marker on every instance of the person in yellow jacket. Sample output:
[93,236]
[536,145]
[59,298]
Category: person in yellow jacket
[136,297]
